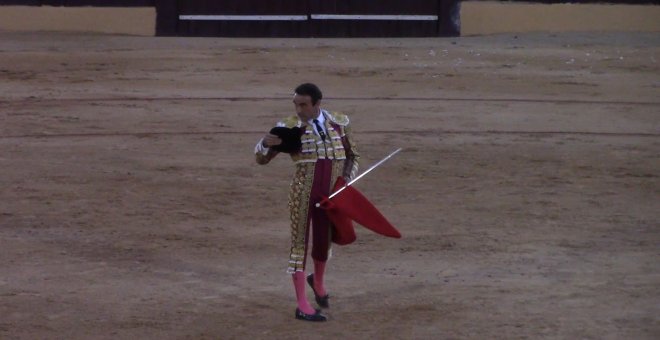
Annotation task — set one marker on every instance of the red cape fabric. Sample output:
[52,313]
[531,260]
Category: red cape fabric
[350,205]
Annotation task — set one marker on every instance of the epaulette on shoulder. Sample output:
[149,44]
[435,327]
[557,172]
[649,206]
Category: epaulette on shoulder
[338,118]
[289,122]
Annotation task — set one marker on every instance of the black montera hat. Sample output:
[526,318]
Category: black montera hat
[290,139]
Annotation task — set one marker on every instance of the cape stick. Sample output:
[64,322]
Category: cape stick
[362,174]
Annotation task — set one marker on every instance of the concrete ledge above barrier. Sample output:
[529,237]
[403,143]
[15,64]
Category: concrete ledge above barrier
[491,17]
[116,20]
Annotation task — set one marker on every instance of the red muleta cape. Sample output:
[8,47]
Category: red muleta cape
[350,205]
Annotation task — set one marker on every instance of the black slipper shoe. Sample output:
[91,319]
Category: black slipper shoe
[322,301]
[317,317]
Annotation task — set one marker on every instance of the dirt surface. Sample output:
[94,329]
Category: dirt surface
[131,206]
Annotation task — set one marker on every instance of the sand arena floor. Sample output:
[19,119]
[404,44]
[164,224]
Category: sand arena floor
[527,192]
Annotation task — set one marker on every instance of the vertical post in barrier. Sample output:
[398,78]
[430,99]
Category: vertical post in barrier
[449,18]
[167,17]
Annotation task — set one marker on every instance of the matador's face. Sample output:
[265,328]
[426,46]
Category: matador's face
[304,107]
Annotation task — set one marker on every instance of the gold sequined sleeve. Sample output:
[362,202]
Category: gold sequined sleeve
[352,155]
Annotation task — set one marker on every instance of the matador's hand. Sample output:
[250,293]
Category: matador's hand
[270,140]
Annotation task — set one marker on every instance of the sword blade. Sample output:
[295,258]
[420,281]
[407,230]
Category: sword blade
[364,173]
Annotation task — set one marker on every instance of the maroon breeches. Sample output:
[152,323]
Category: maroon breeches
[320,222]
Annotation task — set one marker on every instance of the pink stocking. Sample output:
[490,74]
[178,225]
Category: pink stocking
[319,270]
[299,285]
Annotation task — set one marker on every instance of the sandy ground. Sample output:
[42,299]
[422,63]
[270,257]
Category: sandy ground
[527,194]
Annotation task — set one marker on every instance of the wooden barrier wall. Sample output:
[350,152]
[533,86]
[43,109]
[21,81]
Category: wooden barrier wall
[73,3]
[289,18]
[309,18]
[327,18]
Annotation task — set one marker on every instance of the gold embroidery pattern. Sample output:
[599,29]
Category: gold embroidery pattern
[313,148]
[301,187]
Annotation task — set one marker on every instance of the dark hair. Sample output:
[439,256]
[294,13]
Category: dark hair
[309,89]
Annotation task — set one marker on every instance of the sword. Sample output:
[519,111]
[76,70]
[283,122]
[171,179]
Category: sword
[362,174]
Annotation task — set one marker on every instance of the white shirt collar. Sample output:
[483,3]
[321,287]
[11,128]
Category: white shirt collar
[320,118]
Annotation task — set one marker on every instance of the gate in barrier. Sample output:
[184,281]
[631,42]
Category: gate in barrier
[308,18]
